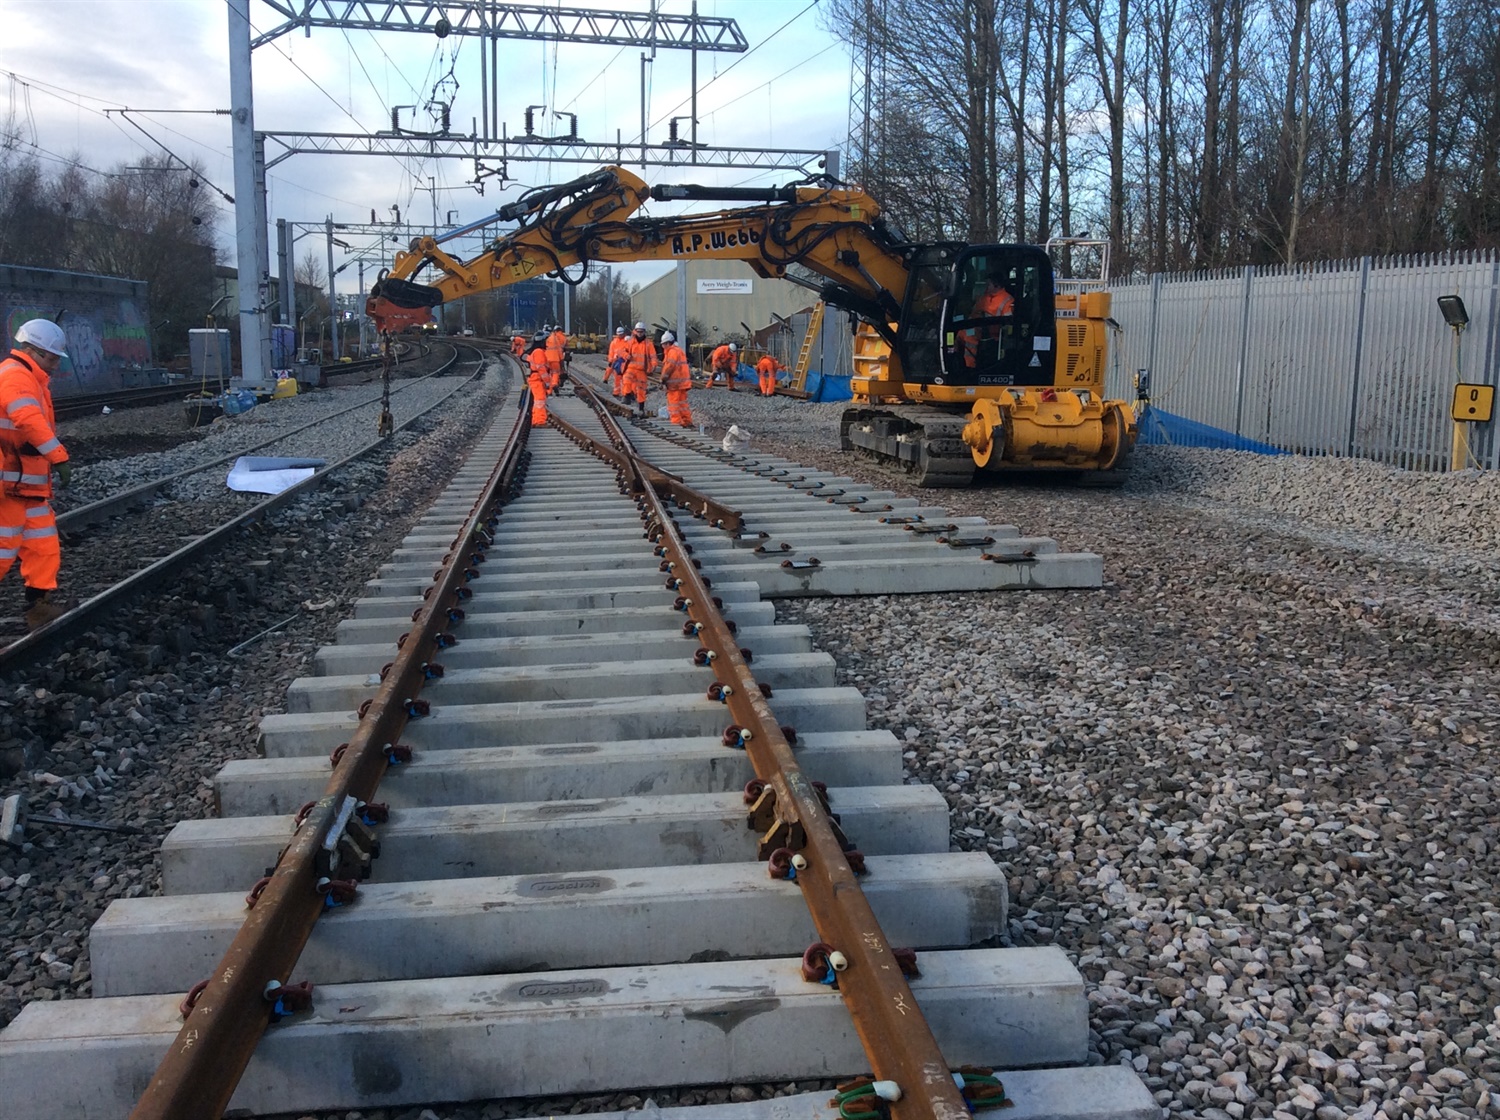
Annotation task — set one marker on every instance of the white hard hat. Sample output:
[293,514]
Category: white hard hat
[640,326]
[733,349]
[44,334]
[668,336]
[619,330]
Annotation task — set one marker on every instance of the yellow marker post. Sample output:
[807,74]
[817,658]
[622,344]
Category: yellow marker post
[1472,404]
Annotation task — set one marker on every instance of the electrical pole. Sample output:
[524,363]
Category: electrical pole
[333,307]
[255,335]
[286,267]
[609,301]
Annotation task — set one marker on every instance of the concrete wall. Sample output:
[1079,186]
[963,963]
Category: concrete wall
[106,320]
[719,313]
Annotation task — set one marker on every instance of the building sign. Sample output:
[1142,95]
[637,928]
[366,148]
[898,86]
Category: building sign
[725,287]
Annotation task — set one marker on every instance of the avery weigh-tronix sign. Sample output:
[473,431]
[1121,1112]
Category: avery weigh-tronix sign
[725,287]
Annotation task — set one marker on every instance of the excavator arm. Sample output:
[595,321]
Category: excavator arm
[547,216]
[833,232]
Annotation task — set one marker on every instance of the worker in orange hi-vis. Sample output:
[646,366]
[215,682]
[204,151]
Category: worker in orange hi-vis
[557,353]
[994,302]
[768,367]
[724,363]
[640,361]
[614,363]
[518,345]
[676,379]
[538,380]
[30,453]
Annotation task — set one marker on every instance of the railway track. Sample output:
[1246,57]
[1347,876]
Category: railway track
[106,564]
[567,898]
[90,404]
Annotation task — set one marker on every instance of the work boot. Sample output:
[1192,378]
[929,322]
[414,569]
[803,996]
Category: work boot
[41,611]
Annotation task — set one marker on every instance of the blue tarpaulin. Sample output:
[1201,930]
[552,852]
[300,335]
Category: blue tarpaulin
[824,388]
[1160,427]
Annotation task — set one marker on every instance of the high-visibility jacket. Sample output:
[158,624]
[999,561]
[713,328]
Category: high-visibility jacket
[676,374]
[538,364]
[989,305]
[640,357]
[518,346]
[557,347]
[617,349]
[767,366]
[724,359]
[28,428]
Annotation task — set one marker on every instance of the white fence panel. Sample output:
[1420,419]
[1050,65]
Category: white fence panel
[1341,358]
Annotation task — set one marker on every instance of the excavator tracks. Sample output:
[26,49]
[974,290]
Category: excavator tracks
[926,442]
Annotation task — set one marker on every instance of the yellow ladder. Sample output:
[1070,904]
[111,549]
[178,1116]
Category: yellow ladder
[804,358]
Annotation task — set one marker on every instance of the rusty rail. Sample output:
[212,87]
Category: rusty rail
[330,846]
[702,505]
[789,813]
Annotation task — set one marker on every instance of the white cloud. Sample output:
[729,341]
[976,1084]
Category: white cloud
[173,54]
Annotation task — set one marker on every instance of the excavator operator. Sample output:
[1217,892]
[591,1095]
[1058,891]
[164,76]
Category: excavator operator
[994,301]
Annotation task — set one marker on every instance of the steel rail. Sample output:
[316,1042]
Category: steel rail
[85,615]
[789,813]
[701,504]
[221,1031]
[111,504]
[87,404]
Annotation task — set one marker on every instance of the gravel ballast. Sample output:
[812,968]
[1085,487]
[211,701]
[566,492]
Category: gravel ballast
[1246,784]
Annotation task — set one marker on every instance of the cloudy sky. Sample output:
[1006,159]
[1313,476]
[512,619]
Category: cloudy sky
[63,63]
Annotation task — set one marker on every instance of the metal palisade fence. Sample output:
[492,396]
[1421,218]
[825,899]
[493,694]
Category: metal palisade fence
[1337,358]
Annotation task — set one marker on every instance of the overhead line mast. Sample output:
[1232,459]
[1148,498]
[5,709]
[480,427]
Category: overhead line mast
[485,19]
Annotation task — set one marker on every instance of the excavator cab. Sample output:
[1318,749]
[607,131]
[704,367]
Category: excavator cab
[998,320]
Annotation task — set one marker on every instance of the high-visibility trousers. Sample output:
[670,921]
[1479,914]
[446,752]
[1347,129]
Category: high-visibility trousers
[677,408]
[538,387]
[768,384]
[635,383]
[28,530]
[619,378]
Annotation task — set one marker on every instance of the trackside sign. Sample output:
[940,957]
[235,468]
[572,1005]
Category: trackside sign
[725,287]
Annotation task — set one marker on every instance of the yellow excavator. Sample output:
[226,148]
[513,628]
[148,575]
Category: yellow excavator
[968,357]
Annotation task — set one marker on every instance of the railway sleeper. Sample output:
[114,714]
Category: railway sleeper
[552,649]
[549,837]
[564,721]
[387,1044]
[560,772]
[658,914]
[586,680]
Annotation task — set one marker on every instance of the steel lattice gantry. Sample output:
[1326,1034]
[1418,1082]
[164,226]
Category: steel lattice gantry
[538,149]
[483,18]
[512,21]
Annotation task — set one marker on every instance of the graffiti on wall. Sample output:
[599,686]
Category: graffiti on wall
[107,335]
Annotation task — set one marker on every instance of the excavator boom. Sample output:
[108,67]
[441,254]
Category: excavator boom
[1005,364]
[833,232]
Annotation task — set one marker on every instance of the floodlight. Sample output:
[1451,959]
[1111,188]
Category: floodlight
[1454,312]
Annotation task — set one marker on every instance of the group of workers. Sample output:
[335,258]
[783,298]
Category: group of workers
[628,366]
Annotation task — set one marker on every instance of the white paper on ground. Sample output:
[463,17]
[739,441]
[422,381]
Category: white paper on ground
[262,475]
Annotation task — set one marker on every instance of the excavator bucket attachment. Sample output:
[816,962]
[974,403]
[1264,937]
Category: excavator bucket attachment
[390,318]
[394,304]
